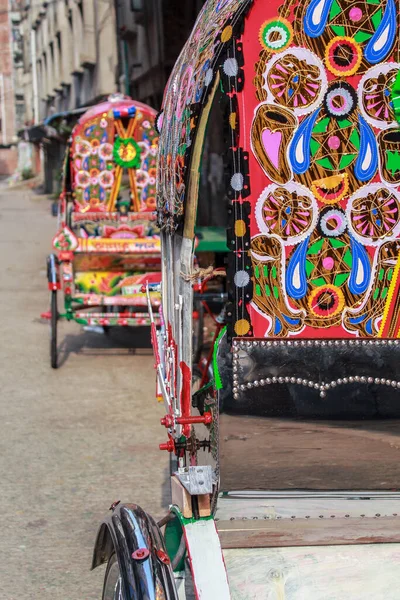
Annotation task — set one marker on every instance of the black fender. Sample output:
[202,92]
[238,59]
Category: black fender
[52,269]
[129,529]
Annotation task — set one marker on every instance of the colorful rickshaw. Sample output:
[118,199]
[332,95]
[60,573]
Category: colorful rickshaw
[288,477]
[107,243]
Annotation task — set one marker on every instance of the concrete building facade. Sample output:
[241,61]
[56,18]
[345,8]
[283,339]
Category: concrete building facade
[70,55]
[10,92]
[151,34]
[70,61]
[76,52]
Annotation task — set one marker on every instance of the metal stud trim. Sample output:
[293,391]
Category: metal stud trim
[322,387]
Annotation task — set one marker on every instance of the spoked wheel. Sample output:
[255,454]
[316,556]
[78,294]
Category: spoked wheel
[53,325]
[112,589]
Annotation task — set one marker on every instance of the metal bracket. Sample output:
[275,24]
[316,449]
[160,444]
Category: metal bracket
[196,480]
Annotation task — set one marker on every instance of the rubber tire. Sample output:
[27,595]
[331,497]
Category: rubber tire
[110,565]
[53,325]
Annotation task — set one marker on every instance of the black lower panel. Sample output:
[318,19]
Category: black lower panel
[312,416]
[335,379]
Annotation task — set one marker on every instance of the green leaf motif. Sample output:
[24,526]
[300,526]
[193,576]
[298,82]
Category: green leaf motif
[340,279]
[316,247]
[319,282]
[338,29]
[346,160]
[325,163]
[335,10]
[393,161]
[362,36]
[314,146]
[309,267]
[321,126]
[355,139]
[337,243]
[377,18]
[343,123]
[348,258]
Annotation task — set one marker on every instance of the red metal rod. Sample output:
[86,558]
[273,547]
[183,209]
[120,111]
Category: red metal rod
[206,418]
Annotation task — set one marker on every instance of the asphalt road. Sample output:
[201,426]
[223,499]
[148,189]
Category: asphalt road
[72,441]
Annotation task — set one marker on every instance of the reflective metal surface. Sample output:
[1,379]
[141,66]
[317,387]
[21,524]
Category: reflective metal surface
[318,415]
[113,582]
[127,530]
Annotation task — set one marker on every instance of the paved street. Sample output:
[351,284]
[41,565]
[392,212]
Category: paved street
[71,441]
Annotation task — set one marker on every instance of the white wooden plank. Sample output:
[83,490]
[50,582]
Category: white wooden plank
[206,561]
[306,507]
[368,572]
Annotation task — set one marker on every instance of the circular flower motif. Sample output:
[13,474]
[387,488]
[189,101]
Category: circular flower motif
[83,148]
[82,179]
[151,202]
[374,214]
[237,182]
[340,100]
[106,151]
[343,56]
[145,147]
[127,153]
[146,124]
[375,95]
[220,5]
[106,179]
[295,79]
[159,121]
[208,77]
[332,222]
[289,212]
[326,301]
[103,123]
[241,279]
[276,34]
[185,88]
[94,180]
[231,67]
[142,178]
[94,173]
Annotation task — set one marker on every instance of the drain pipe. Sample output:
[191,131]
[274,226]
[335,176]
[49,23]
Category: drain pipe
[3,110]
[35,87]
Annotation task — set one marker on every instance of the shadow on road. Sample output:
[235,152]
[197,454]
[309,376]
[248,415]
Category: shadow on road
[117,341]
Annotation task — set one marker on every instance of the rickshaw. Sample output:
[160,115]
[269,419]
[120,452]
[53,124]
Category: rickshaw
[288,475]
[107,241]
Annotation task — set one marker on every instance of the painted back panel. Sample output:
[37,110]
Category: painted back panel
[318,123]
